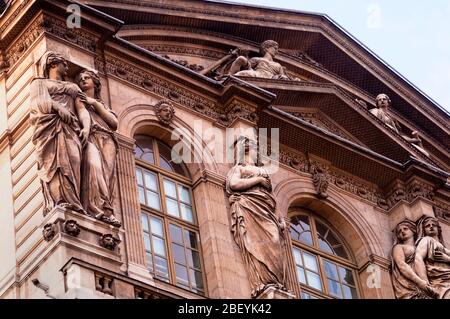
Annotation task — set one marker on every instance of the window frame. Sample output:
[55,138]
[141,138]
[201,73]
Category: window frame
[167,219]
[322,255]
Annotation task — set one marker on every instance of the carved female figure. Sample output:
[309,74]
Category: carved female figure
[263,67]
[55,115]
[407,284]
[100,153]
[432,260]
[256,229]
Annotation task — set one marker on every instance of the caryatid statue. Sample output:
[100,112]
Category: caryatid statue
[61,126]
[100,152]
[383,102]
[256,229]
[432,258]
[407,284]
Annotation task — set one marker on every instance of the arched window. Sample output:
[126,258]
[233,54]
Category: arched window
[322,261]
[169,221]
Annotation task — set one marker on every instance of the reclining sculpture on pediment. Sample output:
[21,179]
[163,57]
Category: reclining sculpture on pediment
[383,102]
[238,63]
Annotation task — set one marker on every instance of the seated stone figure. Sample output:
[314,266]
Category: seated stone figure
[383,102]
[260,67]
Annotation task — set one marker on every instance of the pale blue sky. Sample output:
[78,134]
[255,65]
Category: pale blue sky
[413,37]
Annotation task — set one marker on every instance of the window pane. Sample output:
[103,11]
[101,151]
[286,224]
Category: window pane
[185,196]
[150,181]
[141,195]
[190,239]
[153,200]
[144,220]
[300,229]
[297,256]
[301,275]
[334,288]
[310,262]
[182,275]
[196,279]
[144,148]
[346,276]
[306,295]
[175,234]
[148,247]
[166,160]
[178,254]
[313,280]
[169,189]
[139,176]
[172,207]
[324,246]
[331,270]
[148,157]
[349,292]
[150,261]
[193,258]
[186,213]
[157,227]
[161,267]
[158,246]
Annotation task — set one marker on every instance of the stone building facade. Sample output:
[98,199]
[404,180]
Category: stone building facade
[347,175]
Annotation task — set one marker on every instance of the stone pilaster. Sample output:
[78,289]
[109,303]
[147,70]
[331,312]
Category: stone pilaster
[225,272]
[292,281]
[130,207]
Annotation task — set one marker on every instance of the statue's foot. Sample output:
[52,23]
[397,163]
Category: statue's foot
[111,220]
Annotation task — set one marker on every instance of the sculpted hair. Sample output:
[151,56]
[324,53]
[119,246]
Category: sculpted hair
[382,94]
[95,79]
[266,45]
[48,59]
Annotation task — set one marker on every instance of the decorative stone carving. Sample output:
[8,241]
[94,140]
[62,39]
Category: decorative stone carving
[262,67]
[108,241]
[4,5]
[256,230]
[419,189]
[407,284]
[381,112]
[165,111]
[61,126]
[104,284]
[49,231]
[71,227]
[185,63]
[100,152]
[441,210]
[319,175]
[432,258]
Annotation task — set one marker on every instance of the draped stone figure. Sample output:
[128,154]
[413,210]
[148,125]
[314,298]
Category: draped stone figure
[60,128]
[383,102]
[256,229]
[432,260]
[260,67]
[100,153]
[407,284]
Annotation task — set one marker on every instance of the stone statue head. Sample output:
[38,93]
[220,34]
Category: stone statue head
[49,231]
[268,46]
[405,230]
[88,79]
[429,226]
[71,227]
[382,100]
[108,241]
[164,111]
[52,60]
[243,146]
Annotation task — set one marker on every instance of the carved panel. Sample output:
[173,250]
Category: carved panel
[442,210]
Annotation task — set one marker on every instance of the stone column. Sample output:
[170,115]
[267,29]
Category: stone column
[225,273]
[131,210]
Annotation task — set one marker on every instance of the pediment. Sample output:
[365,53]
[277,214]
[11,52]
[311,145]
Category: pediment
[312,48]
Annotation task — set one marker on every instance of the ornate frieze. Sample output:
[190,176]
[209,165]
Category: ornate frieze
[193,66]
[442,210]
[164,48]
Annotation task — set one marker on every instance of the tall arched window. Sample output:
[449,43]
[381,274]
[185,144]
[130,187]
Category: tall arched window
[323,264]
[169,222]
